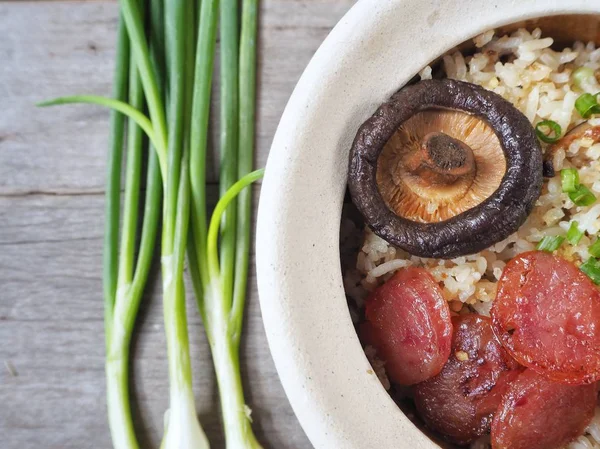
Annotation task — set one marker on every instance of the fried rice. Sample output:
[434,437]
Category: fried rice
[525,70]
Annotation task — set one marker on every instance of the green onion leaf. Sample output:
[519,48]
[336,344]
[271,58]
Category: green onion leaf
[550,243]
[548,131]
[594,249]
[580,76]
[569,178]
[574,235]
[592,269]
[582,196]
[246,139]
[587,104]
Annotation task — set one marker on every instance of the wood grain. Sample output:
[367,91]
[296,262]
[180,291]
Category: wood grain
[51,206]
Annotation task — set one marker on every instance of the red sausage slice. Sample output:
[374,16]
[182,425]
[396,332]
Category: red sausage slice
[459,402]
[547,314]
[408,323]
[537,413]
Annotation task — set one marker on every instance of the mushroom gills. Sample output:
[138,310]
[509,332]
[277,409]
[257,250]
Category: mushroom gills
[438,164]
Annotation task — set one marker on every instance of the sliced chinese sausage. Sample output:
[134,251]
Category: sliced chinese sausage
[408,322]
[547,314]
[460,401]
[537,413]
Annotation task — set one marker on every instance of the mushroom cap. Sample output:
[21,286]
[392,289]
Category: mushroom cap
[418,198]
[498,205]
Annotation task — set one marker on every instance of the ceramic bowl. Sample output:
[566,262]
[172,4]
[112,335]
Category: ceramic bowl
[373,51]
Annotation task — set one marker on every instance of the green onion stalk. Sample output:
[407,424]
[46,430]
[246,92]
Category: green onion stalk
[574,234]
[219,272]
[594,249]
[591,268]
[550,243]
[182,426]
[168,73]
[169,160]
[126,267]
[124,276]
[117,272]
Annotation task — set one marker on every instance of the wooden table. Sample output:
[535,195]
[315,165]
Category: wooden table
[52,165]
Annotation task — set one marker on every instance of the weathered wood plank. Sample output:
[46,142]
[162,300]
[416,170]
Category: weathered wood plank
[51,333]
[66,48]
[51,207]
[49,50]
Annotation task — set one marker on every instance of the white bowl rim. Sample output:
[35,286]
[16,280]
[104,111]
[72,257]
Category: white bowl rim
[375,49]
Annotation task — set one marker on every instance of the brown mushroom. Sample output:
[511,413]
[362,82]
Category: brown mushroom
[439,164]
[445,168]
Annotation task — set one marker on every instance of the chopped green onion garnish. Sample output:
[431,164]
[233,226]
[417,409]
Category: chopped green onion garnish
[548,131]
[569,178]
[592,268]
[550,243]
[587,104]
[582,196]
[594,249]
[582,74]
[574,234]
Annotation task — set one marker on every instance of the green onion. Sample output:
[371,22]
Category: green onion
[131,12]
[116,105]
[548,131]
[205,50]
[229,52]
[574,235]
[581,76]
[126,267]
[113,179]
[582,196]
[579,194]
[550,243]
[165,66]
[587,104]
[119,410]
[219,274]
[592,269]
[247,86]
[594,249]
[569,178]
[182,430]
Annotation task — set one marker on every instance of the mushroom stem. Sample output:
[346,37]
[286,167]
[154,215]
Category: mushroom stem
[442,159]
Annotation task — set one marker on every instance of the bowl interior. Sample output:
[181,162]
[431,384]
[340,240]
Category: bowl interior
[565,30]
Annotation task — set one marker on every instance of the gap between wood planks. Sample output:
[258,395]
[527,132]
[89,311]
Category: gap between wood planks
[69,192]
